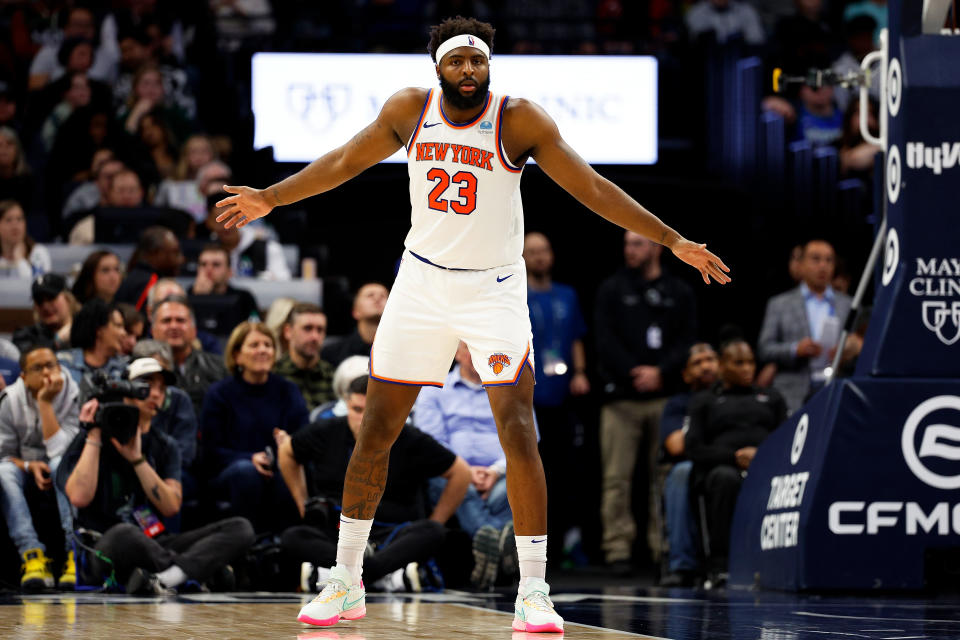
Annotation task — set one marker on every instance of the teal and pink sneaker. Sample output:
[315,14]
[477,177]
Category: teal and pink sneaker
[338,599]
[533,610]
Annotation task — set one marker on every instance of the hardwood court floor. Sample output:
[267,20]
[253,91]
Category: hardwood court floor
[613,613]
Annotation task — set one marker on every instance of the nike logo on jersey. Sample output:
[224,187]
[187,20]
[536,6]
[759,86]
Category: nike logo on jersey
[499,279]
[462,154]
[432,124]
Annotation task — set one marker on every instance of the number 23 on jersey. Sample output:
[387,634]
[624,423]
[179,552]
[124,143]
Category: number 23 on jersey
[465,201]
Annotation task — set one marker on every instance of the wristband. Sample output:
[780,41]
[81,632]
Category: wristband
[138,461]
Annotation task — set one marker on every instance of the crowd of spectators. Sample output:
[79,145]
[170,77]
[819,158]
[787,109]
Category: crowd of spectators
[248,424]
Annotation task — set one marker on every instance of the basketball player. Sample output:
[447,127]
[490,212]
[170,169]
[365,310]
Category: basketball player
[462,277]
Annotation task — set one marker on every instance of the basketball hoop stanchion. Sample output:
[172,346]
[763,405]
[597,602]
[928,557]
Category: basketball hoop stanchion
[858,489]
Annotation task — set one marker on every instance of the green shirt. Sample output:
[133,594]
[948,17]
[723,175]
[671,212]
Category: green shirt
[316,383]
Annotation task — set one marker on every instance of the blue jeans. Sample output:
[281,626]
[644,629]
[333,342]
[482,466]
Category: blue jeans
[265,502]
[681,527]
[474,511]
[16,511]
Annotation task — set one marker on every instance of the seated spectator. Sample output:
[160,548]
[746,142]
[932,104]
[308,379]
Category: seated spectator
[727,424]
[143,473]
[93,194]
[183,190]
[80,23]
[276,317]
[96,340]
[253,250]
[876,9]
[9,118]
[38,419]
[804,40]
[9,363]
[167,287]
[819,121]
[859,33]
[211,178]
[124,192]
[175,415]
[348,371]
[136,51]
[53,308]
[801,327]
[459,417]
[157,255]
[16,180]
[725,20]
[303,332]
[149,96]
[857,156]
[158,142]
[239,423]
[196,370]
[73,91]
[212,284]
[403,533]
[133,324]
[700,373]
[20,256]
[99,277]
[368,307]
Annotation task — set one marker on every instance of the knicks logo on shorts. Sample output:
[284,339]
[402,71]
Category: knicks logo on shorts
[498,362]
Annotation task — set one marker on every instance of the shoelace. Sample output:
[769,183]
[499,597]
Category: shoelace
[539,600]
[331,589]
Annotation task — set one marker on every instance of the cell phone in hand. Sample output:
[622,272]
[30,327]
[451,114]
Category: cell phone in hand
[271,456]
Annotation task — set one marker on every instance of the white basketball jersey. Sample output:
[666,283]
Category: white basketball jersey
[465,210]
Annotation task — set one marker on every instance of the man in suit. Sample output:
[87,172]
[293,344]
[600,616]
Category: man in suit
[801,327]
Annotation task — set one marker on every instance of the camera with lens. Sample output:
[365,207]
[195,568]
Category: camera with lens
[115,418]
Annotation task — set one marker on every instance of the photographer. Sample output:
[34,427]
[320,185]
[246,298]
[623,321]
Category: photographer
[141,472]
[38,419]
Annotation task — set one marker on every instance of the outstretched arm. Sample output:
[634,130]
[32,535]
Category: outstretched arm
[376,142]
[532,132]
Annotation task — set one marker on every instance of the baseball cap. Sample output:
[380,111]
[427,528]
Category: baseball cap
[145,366]
[47,287]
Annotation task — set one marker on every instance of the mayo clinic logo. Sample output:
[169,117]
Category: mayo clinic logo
[318,107]
[938,278]
[936,314]
[938,450]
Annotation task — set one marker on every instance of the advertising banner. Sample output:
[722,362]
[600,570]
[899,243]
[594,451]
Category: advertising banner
[306,104]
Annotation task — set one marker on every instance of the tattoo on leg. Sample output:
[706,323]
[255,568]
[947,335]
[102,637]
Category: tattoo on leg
[363,486]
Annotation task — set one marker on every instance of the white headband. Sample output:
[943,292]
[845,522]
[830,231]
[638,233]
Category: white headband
[463,40]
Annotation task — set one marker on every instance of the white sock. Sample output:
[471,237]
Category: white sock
[532,554]
[172,576]
[352,544]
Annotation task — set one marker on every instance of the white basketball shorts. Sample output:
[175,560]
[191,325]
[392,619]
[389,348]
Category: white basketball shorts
[430,309]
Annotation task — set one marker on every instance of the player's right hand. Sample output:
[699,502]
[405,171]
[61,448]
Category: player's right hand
[244,207]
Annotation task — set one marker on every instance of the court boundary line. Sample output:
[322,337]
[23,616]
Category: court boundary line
[565,622]
[842,617]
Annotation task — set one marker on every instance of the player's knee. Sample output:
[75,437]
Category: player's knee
[517,432]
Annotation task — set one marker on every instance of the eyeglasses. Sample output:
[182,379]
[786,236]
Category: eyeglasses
[40,368]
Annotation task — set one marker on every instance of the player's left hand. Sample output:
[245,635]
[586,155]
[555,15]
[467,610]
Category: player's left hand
[697,256]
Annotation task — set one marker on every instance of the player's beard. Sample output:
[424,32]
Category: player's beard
[453,97]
